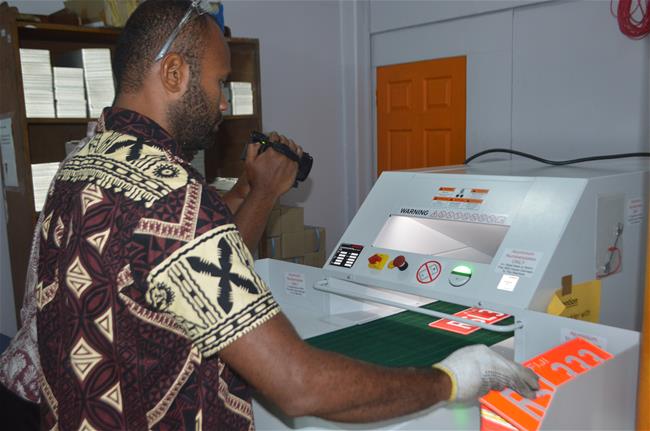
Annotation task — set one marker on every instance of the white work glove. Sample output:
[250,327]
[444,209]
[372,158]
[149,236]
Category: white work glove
[476,370]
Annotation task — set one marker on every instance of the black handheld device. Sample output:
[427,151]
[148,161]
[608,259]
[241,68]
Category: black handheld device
[304,162]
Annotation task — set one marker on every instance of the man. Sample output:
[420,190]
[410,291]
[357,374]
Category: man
[150,315]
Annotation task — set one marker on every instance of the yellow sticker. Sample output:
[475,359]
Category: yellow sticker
[583,303]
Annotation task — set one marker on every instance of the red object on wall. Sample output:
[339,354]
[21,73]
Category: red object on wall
[632,27]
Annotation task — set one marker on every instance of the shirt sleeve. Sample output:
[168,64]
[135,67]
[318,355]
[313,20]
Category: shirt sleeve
[209,285]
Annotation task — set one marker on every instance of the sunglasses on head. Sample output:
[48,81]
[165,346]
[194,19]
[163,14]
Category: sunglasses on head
[197,8]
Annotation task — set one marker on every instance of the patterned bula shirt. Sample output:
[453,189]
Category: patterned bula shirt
[142,279]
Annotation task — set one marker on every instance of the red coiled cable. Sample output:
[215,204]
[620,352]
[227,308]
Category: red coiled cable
[630,25]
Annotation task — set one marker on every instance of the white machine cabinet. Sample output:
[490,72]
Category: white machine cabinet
[497,235]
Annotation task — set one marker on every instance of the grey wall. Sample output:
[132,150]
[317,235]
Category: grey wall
[390,14]
[557,79]
[580,86]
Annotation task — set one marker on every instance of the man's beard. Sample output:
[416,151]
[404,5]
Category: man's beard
[194,120]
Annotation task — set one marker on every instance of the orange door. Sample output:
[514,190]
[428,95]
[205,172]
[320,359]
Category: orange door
[643,415]
[421,114]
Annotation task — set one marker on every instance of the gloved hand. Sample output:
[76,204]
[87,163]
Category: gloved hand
[476,370]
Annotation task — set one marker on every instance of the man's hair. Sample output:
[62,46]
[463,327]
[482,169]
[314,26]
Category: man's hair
[145,33]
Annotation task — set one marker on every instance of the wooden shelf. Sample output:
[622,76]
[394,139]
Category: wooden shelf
[46,31]
[59,120]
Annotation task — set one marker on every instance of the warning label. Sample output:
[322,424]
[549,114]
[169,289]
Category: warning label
[508,282]
[428,272]
[459,198]
[519,262]
[446,191]
[635,211]
[294,283]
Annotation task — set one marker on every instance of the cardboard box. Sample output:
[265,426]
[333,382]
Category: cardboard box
[297,259]
[287,245]
[314,239]
[271,248]
[285,219]
[316,259]
[293,244]
[273,225]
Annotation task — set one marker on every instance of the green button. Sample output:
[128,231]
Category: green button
[462,270]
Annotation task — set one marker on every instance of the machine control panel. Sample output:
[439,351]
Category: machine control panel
[379,260]
[346,255]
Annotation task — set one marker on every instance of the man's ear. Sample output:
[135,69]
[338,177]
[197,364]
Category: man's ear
[174,74]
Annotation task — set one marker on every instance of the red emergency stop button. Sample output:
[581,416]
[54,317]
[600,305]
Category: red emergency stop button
[377,261]
[400,263]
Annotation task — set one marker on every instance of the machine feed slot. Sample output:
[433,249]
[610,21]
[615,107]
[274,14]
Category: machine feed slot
[473,242]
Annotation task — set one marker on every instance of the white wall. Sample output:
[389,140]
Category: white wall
[357,100]
[300,52]
[557,79]
[580,86]
[390,14]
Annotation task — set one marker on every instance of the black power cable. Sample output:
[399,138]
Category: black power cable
[556,162]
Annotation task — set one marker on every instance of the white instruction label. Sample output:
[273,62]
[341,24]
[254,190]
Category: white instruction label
[294,283]
[635,211]
[519,262]
[508,282]
[8,155]
[570,334]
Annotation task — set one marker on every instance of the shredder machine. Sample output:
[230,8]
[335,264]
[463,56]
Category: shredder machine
[500,236]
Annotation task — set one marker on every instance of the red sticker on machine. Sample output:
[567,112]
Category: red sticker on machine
[428,272]
[476,314]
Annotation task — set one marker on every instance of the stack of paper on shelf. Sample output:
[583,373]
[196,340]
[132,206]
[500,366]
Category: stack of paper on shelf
[69,94]
[98,76]
[37,82]
[241,98]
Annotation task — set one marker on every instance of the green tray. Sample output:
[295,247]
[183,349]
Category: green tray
[405,339]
